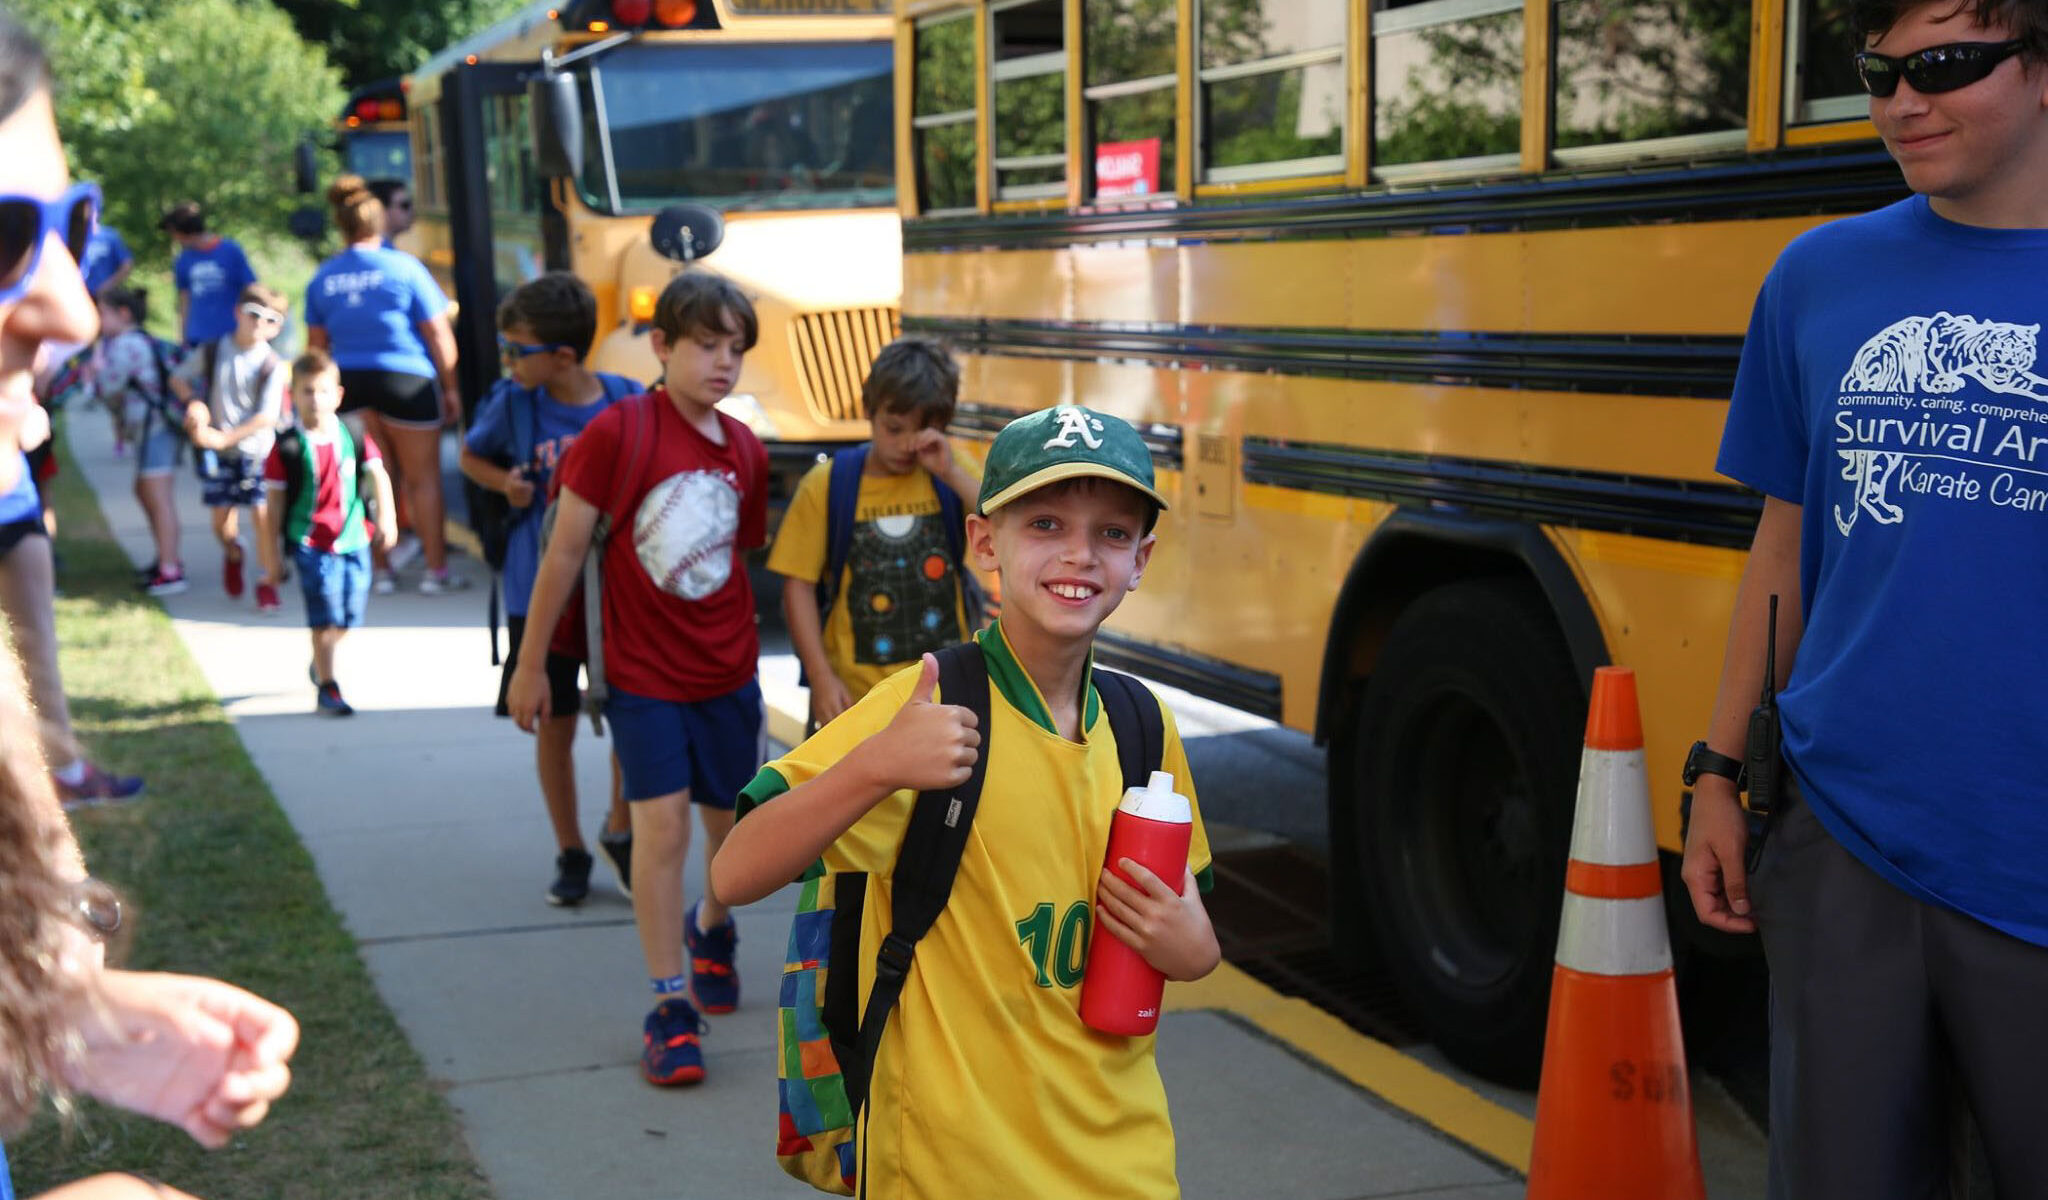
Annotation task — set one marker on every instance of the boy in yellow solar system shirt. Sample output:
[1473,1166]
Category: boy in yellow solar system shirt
[986,1082]
[895,591]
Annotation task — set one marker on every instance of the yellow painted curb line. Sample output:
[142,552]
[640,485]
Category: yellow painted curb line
[1409,1085]
[1499,1133]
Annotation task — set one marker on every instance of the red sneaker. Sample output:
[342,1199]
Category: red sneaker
[267,602]
[231,572]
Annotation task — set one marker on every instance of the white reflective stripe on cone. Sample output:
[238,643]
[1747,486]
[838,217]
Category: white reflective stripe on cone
[1611,827]
[1613,937]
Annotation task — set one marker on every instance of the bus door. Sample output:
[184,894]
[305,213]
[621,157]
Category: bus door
[503,227]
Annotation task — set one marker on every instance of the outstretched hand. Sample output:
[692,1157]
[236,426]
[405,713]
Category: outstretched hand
[197,1053]
[928,745]
[1169,929]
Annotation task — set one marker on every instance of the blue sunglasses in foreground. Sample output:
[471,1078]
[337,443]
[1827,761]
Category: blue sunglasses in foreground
[25,226]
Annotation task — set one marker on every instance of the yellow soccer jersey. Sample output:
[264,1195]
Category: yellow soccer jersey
[987,1083]
[899,594]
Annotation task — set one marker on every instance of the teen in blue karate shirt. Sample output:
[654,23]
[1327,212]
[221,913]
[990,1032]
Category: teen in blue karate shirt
[1889,408]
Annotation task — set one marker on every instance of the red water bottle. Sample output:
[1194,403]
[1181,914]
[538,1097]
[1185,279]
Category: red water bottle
[1120,991]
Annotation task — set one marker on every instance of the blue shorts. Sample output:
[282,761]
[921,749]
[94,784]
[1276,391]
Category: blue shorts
[711,748]
[229,479]
[337,586]
[158,454]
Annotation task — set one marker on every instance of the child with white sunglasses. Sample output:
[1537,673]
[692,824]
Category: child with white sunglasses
[234,390]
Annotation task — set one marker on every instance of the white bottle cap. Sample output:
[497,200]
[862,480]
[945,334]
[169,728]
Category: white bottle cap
[1157,801]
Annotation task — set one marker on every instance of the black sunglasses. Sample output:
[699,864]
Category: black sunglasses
[1935,69]
[25,224]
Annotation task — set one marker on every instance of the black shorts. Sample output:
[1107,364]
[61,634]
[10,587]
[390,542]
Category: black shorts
[399,398]
[12,533]
[565,696]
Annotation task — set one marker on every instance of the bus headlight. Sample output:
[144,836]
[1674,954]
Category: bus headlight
[745,408]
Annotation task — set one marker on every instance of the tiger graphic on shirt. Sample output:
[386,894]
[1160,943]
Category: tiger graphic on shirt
[1919,368]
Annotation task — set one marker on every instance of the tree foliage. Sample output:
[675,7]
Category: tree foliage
[377,39]
[170,100]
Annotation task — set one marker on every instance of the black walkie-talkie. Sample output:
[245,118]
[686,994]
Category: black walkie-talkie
[1761,755]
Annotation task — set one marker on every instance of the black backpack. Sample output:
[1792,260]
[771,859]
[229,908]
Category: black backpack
[820,1110]
[842,498]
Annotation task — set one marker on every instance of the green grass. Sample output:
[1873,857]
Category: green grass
[218,884]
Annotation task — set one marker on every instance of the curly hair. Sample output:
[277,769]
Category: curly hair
[39,990]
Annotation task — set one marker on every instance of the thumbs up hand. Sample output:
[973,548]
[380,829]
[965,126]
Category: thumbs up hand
[927,746]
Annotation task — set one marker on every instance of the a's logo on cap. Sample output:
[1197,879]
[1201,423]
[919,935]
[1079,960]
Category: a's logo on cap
[1074,423]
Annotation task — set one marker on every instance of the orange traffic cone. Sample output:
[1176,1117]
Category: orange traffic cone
[1614,1110]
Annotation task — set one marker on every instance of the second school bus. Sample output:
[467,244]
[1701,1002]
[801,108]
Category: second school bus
[774,114]
[1429,311]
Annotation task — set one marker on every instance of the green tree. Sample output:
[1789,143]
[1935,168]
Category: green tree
[184,99]
[377,39]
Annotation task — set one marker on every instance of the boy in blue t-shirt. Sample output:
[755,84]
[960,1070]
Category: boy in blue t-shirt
[108,262]
[1889,408]
[210,271]
[520,431]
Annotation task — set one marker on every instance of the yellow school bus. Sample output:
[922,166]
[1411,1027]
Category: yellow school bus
[1430,310]
[774,114]
[372,136]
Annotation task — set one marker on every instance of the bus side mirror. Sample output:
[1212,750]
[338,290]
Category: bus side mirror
[307,223]
[557,124]
[685,232]
[306,167]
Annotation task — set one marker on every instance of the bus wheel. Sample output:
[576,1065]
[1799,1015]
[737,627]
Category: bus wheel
[1467,745]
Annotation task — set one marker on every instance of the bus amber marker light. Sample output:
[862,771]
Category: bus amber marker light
[1614,1109]
[675,13]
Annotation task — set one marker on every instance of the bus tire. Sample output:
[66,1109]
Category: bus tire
[1467,747]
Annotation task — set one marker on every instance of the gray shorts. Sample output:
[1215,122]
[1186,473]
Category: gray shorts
[1889,1017]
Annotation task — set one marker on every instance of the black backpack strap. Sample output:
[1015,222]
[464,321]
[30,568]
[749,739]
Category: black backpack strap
[926,864]
[1134,718]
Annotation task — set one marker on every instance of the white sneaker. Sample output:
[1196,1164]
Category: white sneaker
[405,553]
[433,584]
[384,583]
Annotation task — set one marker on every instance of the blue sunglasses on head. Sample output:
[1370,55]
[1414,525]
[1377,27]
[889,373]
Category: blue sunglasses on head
[25,225]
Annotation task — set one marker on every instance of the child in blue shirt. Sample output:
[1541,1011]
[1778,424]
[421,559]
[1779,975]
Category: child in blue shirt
[210,271]
[520,431]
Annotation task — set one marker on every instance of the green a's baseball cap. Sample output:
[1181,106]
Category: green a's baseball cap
[1064,442]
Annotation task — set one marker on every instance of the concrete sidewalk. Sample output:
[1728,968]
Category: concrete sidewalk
[423,818]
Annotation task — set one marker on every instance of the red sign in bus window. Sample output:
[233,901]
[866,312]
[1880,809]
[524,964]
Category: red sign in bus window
[1127,168]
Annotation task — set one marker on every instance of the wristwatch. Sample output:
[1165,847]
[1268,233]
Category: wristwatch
[1703,761]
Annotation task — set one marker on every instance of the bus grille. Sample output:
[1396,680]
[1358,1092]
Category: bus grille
[833,351]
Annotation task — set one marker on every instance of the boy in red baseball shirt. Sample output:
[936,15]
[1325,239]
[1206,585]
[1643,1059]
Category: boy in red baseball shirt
[684,488]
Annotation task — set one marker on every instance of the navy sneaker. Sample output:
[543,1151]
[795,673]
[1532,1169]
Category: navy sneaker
[331,702]
[98,789]
[618,848]
[671,1055]
[712,979]
[572,878]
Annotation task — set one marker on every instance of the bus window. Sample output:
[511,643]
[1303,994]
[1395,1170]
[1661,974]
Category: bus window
[1029,64]
[1823,86]
[1272,90]
[735,126]
[380,155]
[1447,85]
[942,124]
[1651,72]
[1131,74]
[428,190]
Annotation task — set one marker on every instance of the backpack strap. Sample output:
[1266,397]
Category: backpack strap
[1135,721]
[520,414]
[638,432]
[290,451]
[925,866]
[842,497]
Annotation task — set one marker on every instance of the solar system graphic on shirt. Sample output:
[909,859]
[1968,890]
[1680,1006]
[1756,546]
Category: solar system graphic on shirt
[901,591]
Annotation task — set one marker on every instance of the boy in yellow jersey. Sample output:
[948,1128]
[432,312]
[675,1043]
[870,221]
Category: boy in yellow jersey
[986,1072]
[891,588]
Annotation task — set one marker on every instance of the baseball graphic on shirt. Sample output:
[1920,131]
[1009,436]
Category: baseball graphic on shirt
[684,533]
